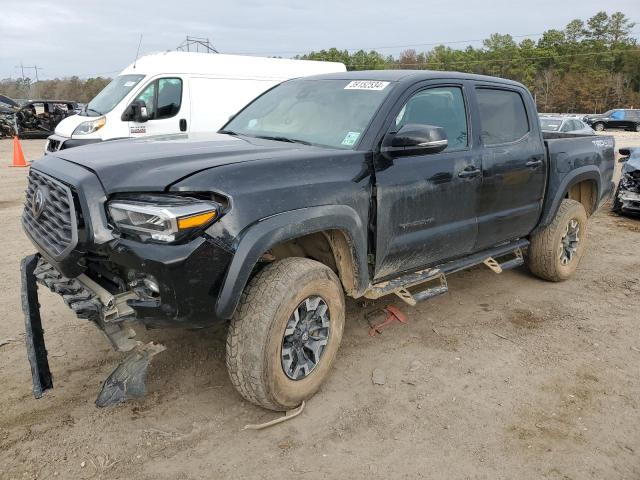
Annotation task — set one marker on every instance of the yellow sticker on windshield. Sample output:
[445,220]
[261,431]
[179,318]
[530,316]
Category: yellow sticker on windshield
[350,139]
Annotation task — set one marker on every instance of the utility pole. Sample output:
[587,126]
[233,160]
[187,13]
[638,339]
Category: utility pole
[35,68]
[195,44]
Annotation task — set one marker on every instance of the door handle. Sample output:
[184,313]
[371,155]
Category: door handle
[534,163]
[183,124]
[469,172]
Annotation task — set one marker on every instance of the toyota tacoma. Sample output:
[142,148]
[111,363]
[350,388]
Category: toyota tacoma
[363,184]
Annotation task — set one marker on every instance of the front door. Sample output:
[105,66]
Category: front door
[425,211]
[514,166]
[166,112]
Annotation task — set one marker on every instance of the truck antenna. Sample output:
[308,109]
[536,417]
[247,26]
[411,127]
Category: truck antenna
[137,51]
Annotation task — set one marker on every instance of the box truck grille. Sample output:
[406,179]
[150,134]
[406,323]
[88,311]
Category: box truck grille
[49,214]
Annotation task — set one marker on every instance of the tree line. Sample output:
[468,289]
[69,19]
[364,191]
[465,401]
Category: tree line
[72,88]
[586,67]
[589,66]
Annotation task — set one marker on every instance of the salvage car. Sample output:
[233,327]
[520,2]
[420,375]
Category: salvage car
[33,118]
[565,125]
[627,196]
[620,118]
[363,184]
[8,108]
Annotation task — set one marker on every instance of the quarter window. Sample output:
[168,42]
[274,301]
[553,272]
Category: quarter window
[442,107]
[503,116]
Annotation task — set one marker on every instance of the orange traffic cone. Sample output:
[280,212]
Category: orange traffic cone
[18,155]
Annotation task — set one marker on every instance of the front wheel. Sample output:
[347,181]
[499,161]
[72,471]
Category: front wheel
[285,333]
[599,127]
[555,251]
[637,129]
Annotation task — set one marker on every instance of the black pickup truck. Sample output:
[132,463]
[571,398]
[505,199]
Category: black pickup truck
[362,183]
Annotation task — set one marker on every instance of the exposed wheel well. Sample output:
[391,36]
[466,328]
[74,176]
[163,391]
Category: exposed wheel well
[333,248]
[585,192]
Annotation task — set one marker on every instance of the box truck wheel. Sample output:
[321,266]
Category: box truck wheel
[285,333]
[555,251]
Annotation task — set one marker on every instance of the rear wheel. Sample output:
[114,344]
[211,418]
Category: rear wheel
[285,333]
[637,129]
[555,251]
[598,127]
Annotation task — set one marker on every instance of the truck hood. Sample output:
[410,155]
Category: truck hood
[154,163]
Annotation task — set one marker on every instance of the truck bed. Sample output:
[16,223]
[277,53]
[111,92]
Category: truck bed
[592,156]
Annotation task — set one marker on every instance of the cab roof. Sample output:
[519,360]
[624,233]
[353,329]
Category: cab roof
[410,76]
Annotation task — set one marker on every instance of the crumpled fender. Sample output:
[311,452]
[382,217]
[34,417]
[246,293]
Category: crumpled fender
[264,234]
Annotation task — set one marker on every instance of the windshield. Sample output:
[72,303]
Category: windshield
[111,95]
[550,124]
[332,113]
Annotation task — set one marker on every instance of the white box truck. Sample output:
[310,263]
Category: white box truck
[173,92]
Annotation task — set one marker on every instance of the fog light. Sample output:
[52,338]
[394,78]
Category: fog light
[151,284]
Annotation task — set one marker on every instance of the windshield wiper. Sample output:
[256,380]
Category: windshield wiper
[228,132]
[87,109]
[283,139]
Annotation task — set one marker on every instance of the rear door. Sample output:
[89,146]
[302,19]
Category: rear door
[514,165]
[167,108]
[425,209]
[632,118]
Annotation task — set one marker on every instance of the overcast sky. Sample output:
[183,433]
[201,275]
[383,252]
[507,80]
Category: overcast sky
[89,37]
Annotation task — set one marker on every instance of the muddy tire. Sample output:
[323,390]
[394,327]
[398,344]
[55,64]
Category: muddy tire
[555,251]
[285,333]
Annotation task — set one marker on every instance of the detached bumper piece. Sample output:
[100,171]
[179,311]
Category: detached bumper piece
[88,301]
[34,338]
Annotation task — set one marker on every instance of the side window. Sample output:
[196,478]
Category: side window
[567,126]
[148,97]
[632,115]
[169,97]
[503,116]
[162,98]
[617,114]
[441,106]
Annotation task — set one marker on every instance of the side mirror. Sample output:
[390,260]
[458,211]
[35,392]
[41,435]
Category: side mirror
[136,111]
[414,139]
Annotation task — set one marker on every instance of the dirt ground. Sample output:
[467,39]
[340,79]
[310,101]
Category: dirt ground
[505,377]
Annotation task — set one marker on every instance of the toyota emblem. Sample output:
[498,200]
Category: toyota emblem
[39,201]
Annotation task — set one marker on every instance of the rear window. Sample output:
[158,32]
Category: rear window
[503,117]
[551,125]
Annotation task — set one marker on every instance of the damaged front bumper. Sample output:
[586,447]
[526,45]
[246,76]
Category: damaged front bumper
[628,194]
[89,301]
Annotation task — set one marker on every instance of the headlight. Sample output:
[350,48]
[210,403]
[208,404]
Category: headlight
[162,218]
[85,128]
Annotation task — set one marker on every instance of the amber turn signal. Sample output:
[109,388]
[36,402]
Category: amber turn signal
[196,220]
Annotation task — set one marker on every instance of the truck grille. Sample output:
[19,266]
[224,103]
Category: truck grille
[49,214]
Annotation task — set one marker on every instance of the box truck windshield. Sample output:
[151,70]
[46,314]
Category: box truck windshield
[111,95]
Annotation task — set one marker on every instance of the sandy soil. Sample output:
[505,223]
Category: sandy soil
[504,377]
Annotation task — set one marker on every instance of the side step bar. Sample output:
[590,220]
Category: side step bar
[490,258]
